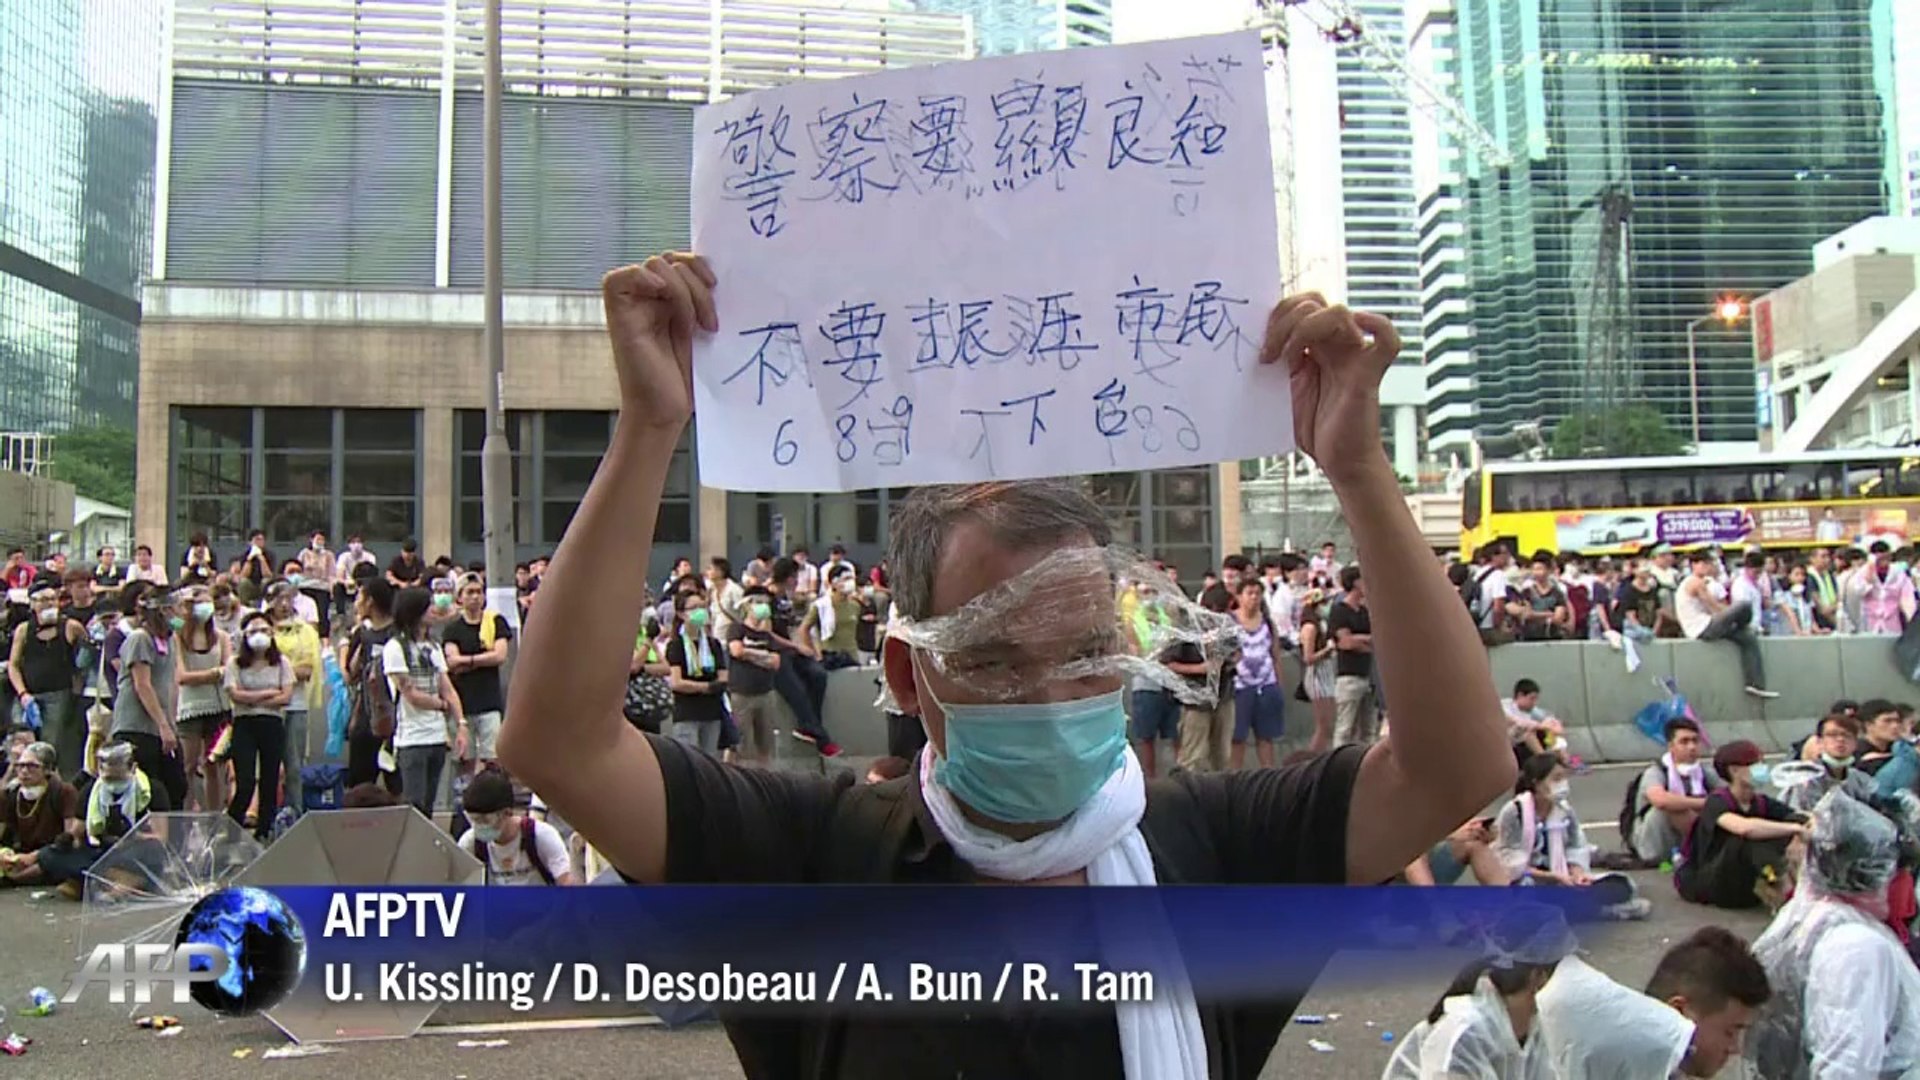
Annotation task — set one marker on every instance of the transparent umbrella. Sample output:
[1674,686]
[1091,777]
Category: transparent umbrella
[140,888]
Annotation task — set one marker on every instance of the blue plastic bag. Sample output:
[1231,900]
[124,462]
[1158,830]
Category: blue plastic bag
[1900,774]
[1652,720]
[30,716]
[339,708]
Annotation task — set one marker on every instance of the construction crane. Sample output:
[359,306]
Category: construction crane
[1608,367]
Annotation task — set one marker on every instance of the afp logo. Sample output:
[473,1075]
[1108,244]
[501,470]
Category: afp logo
[238,952]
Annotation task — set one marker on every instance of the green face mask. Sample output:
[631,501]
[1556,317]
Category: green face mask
[760,612]
[697,618]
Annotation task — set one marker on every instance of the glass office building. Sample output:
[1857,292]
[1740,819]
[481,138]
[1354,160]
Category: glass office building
[1682,151]
[1001,27]
[79,81]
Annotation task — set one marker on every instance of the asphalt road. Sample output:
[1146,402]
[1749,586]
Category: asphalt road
[39,939]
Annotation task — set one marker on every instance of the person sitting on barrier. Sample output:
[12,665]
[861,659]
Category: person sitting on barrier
[1881,727]
[1706,617]
[1486,1026]
[1851,1008]
[1539,608]
[1839,746]
[1669,795]
[1540,841]
[1534,729]
[35,814]
[1735,856]
[1469,848]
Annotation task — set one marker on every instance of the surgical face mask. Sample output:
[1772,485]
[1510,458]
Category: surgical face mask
[294,580]
[443,600]
[34,792]
[175,622]
[1760,775]
[487,833]
[258,641]
[116,787]
[1798,588]
[1833,762]
[354,547]
[696,617]
[845,585]
[47,616]
[1028,764]
[1559,790]
[760,612]
[203,610]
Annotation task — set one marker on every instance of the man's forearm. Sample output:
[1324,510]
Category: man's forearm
[572,684]
[1447,722]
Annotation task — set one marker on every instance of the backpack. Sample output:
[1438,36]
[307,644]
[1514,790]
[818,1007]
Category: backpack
[374,695]
[322,787]
[528,847]
[1472,594]
[1630,814]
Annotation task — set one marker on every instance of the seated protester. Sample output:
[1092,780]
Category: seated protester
[1540,842]
[1739,840]
[118,798]
[1539,606]
[1851,1008]
[1670,795]
[1534,730]
[35,814]
[19,737]
[1808,749]
[1470,847]
[1881,728]
[368,796]
[996,797]
[1690,1022]
[1485,1026]
[515,849]
[1839,742]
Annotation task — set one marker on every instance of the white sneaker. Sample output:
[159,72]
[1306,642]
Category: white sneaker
[1759,693]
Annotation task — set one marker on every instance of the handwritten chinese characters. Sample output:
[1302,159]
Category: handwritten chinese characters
[1014,267]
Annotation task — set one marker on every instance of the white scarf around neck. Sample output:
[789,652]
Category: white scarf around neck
[1556,829]
[1161,1039]
[1685,779]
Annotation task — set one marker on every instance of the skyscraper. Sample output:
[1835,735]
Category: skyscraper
[1900,61]
[79,80]
[1016,26]
[1445,319]
[1667,153]
[1376,181]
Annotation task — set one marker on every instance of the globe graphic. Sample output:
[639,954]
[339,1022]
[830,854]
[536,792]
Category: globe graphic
[265,946]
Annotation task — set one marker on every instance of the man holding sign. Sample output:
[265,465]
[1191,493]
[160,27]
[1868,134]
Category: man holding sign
[661,812]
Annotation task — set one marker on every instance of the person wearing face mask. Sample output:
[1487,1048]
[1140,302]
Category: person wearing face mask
[1847,995]
[1839,743]
[427,710]
[227,609]
[260,683]
[1539,838]
[1486,1025]
[299,642]
[445,607]
[1794,606]
[34,815]
[1881,593]
[515,848]
[203,708]
[346,587]
[302,607]
[120,796]
[1735,856]
[1026,778]
[755,659]
[698,675]
[40,667]
[832,625]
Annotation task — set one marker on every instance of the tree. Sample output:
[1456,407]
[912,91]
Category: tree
[98,462]
[1629,431]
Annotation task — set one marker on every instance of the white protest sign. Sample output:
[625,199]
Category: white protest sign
[1023,266]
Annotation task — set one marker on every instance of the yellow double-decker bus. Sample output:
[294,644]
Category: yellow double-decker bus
[1612,506]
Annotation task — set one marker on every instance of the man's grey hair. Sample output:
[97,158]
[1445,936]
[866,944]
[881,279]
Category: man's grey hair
[1021,514]
[44,754]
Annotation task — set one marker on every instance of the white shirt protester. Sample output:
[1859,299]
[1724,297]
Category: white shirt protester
[415,726]
[507,856]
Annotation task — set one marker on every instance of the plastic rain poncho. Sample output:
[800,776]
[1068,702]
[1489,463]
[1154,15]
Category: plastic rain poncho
[1596,1029]
[1851,1010]
[1473,1040]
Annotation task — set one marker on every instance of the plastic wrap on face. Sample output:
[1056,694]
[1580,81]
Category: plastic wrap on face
[1091,616]
[1853,850]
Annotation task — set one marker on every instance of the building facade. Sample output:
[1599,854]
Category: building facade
[1446,321]
[1667,155]
[1900,56]
[312,356]
[78,84]
[1001,27]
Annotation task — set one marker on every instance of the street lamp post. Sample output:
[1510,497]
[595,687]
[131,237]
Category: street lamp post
[1727,311]
[496,468]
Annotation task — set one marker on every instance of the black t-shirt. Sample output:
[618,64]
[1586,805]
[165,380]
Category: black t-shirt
[258,570]
[1644,605]
[85,615]
[747,677]
[782,620]
[407,573]
[1704,845]
[479,688]
[697,708]
[1357,620]
[1187,652]
[109,577]
[1285,826]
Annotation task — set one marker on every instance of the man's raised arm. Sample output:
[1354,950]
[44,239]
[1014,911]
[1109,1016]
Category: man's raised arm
[565,735]
[1446,755]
